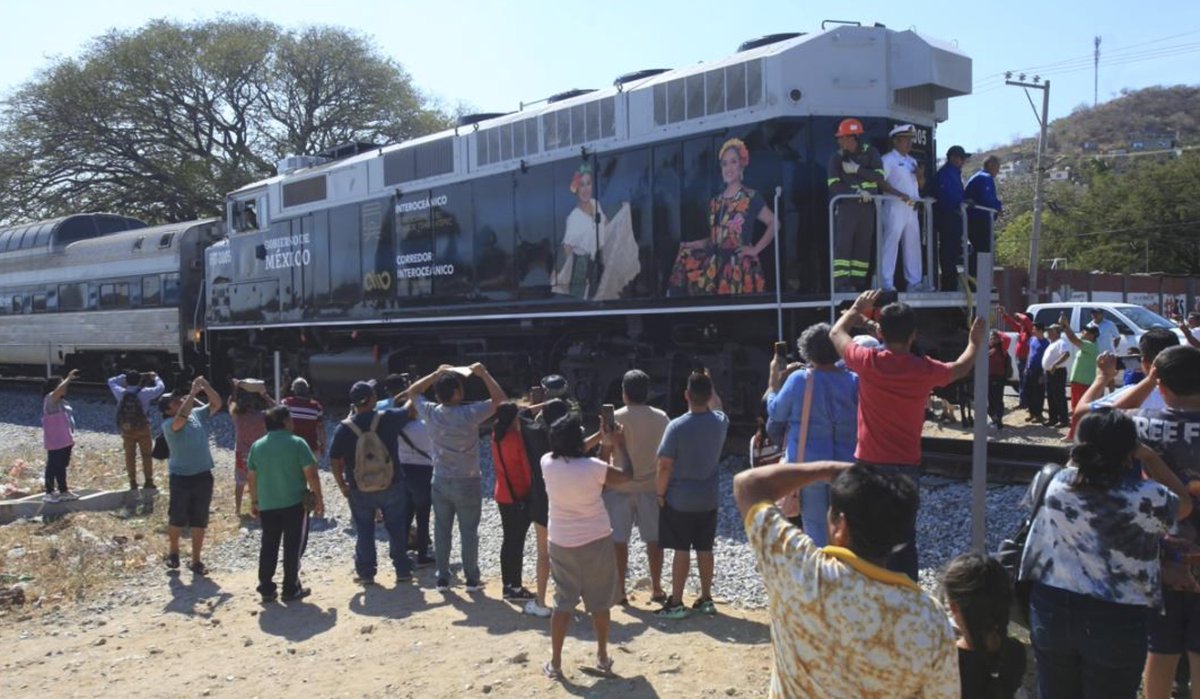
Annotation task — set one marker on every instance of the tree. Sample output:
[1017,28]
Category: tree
[162,121]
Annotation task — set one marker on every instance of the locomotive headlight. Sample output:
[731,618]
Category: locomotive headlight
[197,334]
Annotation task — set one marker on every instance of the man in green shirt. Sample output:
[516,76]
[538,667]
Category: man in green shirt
[1083,369]
[282,470]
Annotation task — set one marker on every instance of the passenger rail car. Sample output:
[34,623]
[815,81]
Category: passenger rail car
[101,293]
[559,236]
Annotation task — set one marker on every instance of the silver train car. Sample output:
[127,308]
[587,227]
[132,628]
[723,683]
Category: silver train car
[100,292]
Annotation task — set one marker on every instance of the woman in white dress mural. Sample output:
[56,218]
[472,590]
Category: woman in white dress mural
[584,240]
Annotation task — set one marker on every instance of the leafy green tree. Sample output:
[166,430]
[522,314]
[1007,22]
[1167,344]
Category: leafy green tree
[160,122]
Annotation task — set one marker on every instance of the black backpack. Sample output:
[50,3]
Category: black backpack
[131,417]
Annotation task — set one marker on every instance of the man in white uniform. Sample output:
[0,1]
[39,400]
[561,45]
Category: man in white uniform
[900,226]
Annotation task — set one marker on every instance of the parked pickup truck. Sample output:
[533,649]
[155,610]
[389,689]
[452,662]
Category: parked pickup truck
[1131,321]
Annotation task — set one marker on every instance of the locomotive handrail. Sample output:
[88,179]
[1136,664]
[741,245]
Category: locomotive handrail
[778,281]
[966,238]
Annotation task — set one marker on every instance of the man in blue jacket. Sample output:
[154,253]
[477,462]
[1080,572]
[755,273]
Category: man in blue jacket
[947,216]
[981,189]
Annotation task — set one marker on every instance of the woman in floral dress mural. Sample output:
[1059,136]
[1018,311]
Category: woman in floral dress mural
[727,261]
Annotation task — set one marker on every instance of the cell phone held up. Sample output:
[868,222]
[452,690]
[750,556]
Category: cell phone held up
[781,350]
[608,416]
[537,395]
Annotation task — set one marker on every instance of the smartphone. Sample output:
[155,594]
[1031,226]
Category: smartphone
[781,350]
[608,416]
[537,395]
[886,298]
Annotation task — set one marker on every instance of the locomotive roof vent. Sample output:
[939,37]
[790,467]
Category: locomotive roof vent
[638,75]
[347,150]
[289,164]
[469,119]
[568,94]
[767,40]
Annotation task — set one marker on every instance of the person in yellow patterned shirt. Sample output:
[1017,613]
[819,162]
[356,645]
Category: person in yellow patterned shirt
[842,625]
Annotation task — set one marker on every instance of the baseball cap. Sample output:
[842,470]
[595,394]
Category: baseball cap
[361,392]
[958,150]
[903,130]
[555,385]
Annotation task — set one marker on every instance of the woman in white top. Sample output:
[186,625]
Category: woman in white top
[582,558]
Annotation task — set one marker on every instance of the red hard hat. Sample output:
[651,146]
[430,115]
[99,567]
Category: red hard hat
[849,127]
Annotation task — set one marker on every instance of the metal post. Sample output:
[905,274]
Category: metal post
[49,360]
[278,376]
[927,229]
[832,279]
[979,445]
[1035,236]
[966,247]
[778,281]
[877,202]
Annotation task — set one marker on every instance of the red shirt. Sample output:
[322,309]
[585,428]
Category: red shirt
[1023,326]
[306,415]
[510,460]
[893,390]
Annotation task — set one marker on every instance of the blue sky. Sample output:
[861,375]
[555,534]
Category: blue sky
[492,55]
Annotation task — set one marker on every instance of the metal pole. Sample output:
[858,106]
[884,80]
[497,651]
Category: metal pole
[832,278]
[278,375]
[49,360]
[877,203]
[1035,237]
[778,281]
[979,446]
[927,229]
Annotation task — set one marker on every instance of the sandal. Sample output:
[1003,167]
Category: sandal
[605,666]
[660,598]
[552,672]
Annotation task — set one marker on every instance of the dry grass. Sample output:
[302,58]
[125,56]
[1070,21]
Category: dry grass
[71,559]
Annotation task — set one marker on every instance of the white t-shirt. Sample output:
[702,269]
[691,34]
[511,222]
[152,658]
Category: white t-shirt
[1108,333]
[1057,350]
[577,512]
[900,171]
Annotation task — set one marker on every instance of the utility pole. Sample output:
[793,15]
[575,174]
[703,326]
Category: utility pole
[1035,236]
[1096,74]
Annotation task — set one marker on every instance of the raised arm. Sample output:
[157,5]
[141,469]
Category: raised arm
[963,365]
[61,389]
[852,318]
[214,398]
[1106,368]
[1069,331]
[185,408]
[769,483]
[422,384]
[494,391]
[117,386]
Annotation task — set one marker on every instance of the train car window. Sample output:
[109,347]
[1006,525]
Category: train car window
[345,267]
[694,86]
[151,290]
[660,104]
[170,289]
[5,304]
[735,86]
[108,296]
[378,249]
[714,91]
[72,297]
[701,178]
[165,241]
[454,239]
[534,252]
[42,238]
[52,299]
[414,246]
[754,82]
[495,233]
[627,251]
[667,223]
[608,117]
[675,106]
[304,191]
[549,132]
[39,302]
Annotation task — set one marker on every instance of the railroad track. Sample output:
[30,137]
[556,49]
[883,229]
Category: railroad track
[1006,462]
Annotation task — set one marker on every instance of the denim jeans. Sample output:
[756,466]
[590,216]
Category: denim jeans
[1086,648]
[420,504]
[814,511]
[393,502]
[461,497]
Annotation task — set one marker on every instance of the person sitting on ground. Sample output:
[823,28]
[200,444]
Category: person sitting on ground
[832,430]
[58,435]
[979,594]
[457,481]
[186,426]
[535,424]
[642,427]
[282,472]
[514,479]
[841,624]
[688,489]
[894,385]
[383,494]
[135,393]
[582,559]
[308,416]
[1092,558]
[247,401]
[414,449]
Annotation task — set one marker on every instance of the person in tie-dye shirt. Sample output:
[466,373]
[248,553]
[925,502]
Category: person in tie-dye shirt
[842,625]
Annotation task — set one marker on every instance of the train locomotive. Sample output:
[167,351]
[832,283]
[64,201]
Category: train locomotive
[559,236]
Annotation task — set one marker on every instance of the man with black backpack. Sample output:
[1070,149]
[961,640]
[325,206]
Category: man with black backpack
[134,393]
[364,462]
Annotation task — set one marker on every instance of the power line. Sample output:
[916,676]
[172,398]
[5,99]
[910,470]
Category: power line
[1117,51]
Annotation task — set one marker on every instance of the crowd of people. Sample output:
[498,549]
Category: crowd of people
[1105,577]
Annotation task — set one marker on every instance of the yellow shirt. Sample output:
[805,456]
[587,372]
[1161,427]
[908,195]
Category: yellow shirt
[843,628]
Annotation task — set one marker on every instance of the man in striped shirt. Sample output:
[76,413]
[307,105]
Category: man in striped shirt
[308,415]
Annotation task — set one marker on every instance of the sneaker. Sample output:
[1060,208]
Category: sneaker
[51,498]
[269,598]
[364,580]
[673,610]
[297,595]
[198,568]
[474,586]
[172,560]
[443,585]
[517,594]
[67,495]
[425,560]
[704,606]
[532,608]
[150,486]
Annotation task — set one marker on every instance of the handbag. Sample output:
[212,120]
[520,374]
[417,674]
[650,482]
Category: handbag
[789,504]
[161,450]
[521,503]
[1009,552]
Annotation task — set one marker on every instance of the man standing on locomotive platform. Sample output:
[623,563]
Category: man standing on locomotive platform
[855,168]
[981,190]
[900,225]
[947,216]
[133,419]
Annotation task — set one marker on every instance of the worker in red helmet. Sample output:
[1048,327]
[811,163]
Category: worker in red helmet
[855,168]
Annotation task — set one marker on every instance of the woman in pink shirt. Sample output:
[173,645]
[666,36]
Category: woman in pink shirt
[582,559]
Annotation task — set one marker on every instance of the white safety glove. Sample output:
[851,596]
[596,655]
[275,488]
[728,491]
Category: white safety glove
[865,196]
[849,167]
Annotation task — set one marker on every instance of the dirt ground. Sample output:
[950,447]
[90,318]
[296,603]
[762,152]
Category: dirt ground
[180,636]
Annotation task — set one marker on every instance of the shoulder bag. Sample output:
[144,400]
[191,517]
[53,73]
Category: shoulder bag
[1010,550]
[790,504]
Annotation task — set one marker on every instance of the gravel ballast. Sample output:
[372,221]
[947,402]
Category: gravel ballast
[944,522]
